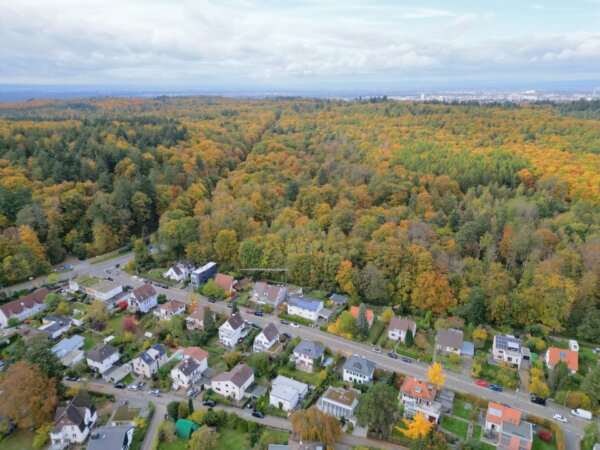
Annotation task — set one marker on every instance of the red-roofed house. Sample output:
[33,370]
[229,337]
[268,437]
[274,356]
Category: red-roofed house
[169,309]
[23,307]
[354,310]
[225,282]
[553,355]
[419,396]
[505,427]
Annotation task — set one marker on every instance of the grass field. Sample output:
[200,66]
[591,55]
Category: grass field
[538,444]
[458,427]
[231,439]
[462,409]
[18,440]
[304,377]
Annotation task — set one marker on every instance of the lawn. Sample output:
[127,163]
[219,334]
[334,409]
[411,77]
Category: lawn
[108,256]
[396,432]
[448,365]
[232,439]
[375,332]
[477,433]
[125,414]
[455,426]
[18,440]
[156,275]
[90,340]
[304,377]
[462,409]
[538,444]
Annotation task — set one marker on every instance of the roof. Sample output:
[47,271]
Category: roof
[67,345]
[53,318]
[144,292]
[308,303]
[354,310]
[242,283]
[235,321]
[418,389]
[197,353]
[507,342]
[225,282]
[198,314]
[360,365]
[467,349]
[27,302]
[285,393]
[108,438]
[346,397]
[310,349]
[205,267]
[105,286]
[270,332]
[270,291]
[500,414]
[101,353]
[74,412]
[402,324]
[172,305]
[450,337]
[152,354]
[184,428]
[569,356]
[280,380]
[522,430]
[239,375]
[337,298]
[188,366]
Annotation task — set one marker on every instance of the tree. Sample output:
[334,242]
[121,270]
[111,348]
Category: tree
[173,410]
[198,416]
[52,300]
[28,395]
[259,361]
[190,406]
[436,375]
[42,436]
[362,323]
[129,323]
[538,387]
[209,321]
[98,312]
[226,247]
[205,438]
[417,428]
[314,425]
[590,385]
[213,290]
[376,408]
[558,375]
[39,353]
[408,338]
[387,315]
[345,277]
[232,358]
[432,292]
[344,325]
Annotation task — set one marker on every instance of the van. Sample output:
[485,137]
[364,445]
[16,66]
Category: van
[573,345]
[582,413]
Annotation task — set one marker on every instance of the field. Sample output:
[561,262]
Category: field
[455,426]
[18,440]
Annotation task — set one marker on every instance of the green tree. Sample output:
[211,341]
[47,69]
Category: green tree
[558,375]
[259,361]
[376,408]
[409,338]
[212,290]
[209,321]
[52,300]
[142,257]
[590,385]
[362,323]
[173,410]
[205,438]
[39,352]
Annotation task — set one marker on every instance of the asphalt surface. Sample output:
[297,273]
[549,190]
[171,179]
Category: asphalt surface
[456,382]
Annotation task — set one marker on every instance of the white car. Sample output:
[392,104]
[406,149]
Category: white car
[294,325]
[559,418]
[134,277]
[134,387]
[376,349]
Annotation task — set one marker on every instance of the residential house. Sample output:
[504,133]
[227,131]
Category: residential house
[267,294]
[338,299]
[150,360]
[24,307]
[201,275]
[505,427]
[169,309]
[232,330]
[102,358]
[98,288]
[266,339]
[195,321]
[358,370]
[507,348]
[339,402]
[419,397]
[72,423]
[180,271]
[189,371]
[305,307]
[308,355]
[553,355]
[283,397]
[111,438]
[117,372]
[233,384]
[226,283]
[301,388]
[55,326]
[354,310]
[143,298]
[399,327]
[449,340]
[68,350]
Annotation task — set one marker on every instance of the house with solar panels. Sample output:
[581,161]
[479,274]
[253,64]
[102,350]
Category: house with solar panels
[508,349]
[305,307]
[358,370]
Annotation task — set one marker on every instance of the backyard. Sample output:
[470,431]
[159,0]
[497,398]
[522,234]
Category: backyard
[455,426]
[18,440]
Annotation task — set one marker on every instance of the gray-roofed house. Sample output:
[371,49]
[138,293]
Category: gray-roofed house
[143,298]
[268,294]
[398,328]
[68,350]
[150,360]
[55,326]
[232,330]
[233,384]
[266,339]
[338,299]
[283,397]
[302,388]
[449,340]
[111,438]
[358,370]
[308,355]
[73,422]
[102,358]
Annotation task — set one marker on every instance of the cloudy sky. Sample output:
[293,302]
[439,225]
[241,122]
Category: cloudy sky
[297,42]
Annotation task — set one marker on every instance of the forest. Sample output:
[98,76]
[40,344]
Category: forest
[488,212]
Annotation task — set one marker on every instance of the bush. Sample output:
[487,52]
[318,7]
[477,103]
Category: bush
[545,435]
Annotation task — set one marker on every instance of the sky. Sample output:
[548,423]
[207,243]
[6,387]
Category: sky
[297,43]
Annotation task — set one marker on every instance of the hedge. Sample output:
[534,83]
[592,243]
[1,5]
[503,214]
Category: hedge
[557,430]
[296,319]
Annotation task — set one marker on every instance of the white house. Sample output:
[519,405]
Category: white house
[233,384]
[419,396]
[98,288]
[189,371]
[339,402]
[358,370]
[180,271]
[305,307]
[268,337]
[286,393]
[68,350]
[267,294]
[398,328]
[23,307]
[102,358]
[143,298]
[150,360]
[73,423]
[111,438]
[449,340]
[308,355]
[169,309]
[55,326]
[232,330]
[507,348]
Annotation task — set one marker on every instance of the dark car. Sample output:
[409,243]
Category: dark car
[230,305]
[406,360]
[287,335]
[71,378]
[260,415]
[538,400]
[255,326]
[392,355]
[210,403]
[495,387]
[117,265]
[212,300]
[258,313]
[284,322]
[119,386]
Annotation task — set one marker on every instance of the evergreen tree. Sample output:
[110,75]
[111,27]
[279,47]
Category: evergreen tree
[557,376]
[409,338]
[208,321]
[362,323]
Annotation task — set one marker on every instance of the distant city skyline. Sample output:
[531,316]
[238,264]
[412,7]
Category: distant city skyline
[300,45]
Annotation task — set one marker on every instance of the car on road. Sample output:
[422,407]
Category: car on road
[495,387]
[392,355]
[212,300]
[119,386]
[260,415]
[117,265]
[537,400]
[155,392]
[134,387]
[31,278]
[109,279]
[259,313]
[191,393]
[406,360]
[284,322]
[71,378]
[255,326]
[294,325]
[288,335]
[559,418]
[210,403]
[230,305]
[124,403]
[376,349]
[135,277]
[481,383]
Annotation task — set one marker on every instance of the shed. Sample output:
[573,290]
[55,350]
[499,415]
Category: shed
[185,428]
[468,349]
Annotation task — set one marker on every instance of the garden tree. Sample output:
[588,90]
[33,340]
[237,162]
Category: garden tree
[198,416]
[129,323]
[226,247]
[173,410]
[182,410]
[408,338]
[344,325]
[557,376]
[362,323]
[38,352]
[209,321]
[314,425]
[42,436]
[539,387]
[345,277]
[205,438]
[259,361]
[98,312]
[432,292]
[141,256]
[212,290]
[28,395]
[52,300]
[436,375]
[591,436]
[417,427]
[376,408]
[480,335]
[590,385]
[232,358]
[387,315]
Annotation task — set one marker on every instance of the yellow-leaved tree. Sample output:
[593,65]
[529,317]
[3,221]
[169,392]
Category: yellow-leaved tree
[436,375]
[418,427]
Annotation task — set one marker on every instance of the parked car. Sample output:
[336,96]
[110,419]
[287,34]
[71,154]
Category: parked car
[260,415]
[117,265]
[255,326]
[582,413]
[392,355]
[481,383]
[259,313]
[284,322]
[559,418]
[294,325]
[71,378]
[124,403]
[288,335]
[230,305]
[119,386]
[406,360]
[155,392]
[134,387]
[495,387]
[212,300]
[210,403]
[376,349]
[538,400]
[191,393]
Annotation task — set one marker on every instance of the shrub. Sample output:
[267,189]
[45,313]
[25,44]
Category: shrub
[545,435]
